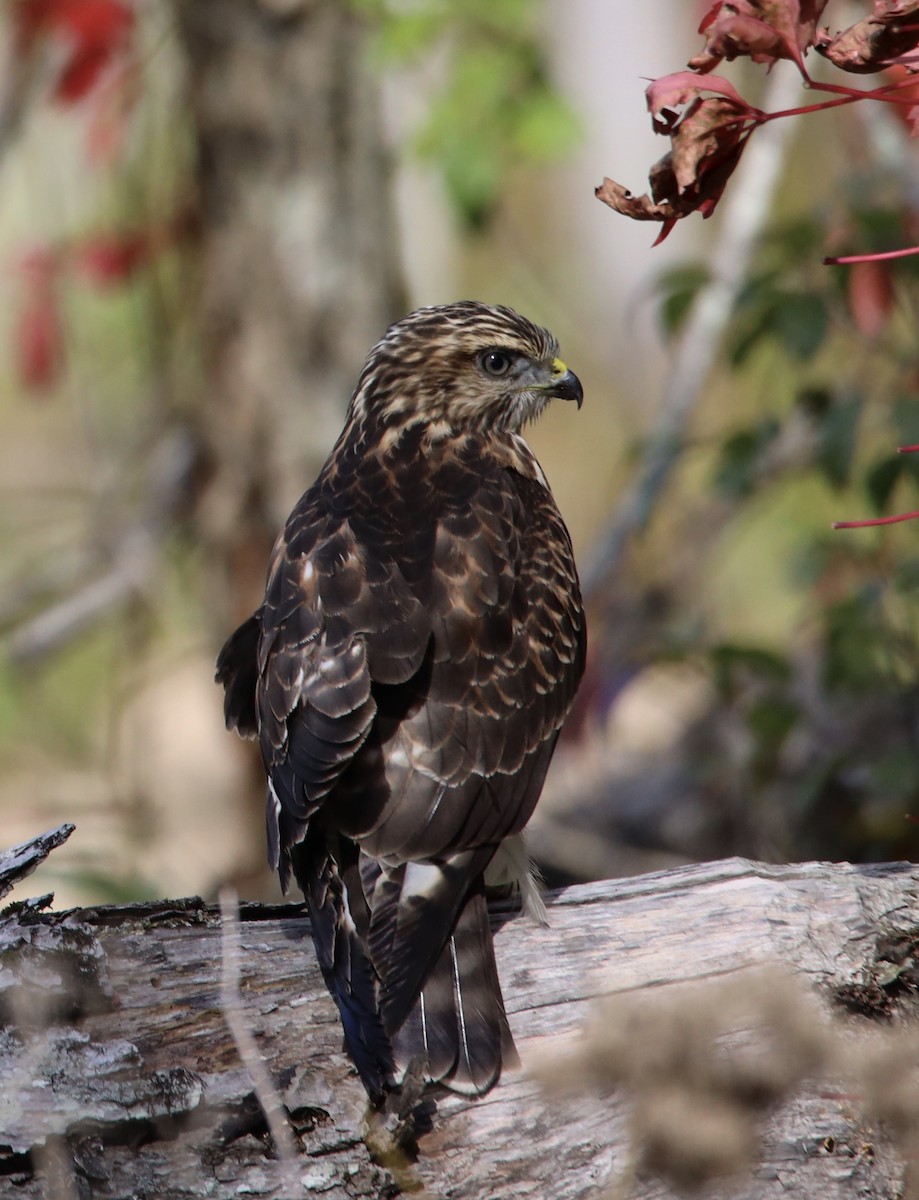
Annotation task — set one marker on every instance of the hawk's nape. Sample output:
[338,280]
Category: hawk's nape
[418,648]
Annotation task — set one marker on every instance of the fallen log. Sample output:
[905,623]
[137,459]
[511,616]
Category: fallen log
[120,1076]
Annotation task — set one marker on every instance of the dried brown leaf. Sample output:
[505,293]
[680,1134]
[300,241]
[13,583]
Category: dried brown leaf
[889,35]
[763,30]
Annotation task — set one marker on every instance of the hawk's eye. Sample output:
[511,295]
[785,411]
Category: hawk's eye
[496,362]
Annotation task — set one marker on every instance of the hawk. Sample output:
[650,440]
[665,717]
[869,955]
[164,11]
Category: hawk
[407,674]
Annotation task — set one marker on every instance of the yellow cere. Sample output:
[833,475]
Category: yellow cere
[558,367]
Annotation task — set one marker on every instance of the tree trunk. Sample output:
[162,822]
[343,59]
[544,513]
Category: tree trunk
[299,275]
[122,1079]
[300,270]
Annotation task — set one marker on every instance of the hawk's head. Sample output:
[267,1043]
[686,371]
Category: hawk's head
[463,367]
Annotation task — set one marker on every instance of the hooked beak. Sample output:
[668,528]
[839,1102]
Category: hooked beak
[565,385]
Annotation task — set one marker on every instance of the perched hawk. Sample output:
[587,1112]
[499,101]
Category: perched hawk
[418,648]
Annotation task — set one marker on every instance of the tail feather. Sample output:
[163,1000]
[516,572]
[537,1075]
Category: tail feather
[413,908]
[459,1022]
[335,917]
[424,1032]
[375,949]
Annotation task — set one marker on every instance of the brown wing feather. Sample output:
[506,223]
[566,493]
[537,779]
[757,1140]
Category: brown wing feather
[501,669]
[237,670]
[335,619]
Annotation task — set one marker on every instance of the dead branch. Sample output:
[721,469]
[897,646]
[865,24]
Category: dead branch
[133,1075]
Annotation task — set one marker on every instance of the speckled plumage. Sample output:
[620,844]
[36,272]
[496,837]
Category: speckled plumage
[420,643]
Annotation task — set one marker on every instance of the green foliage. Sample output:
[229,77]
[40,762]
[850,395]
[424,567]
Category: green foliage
[856,642]
[741,457]
[823,365]
[882,478]
[493,107]
[733,665]
[877,225]
[677,289]
[837,425]
[795,319]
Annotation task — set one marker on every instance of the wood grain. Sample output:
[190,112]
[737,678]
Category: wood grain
[119,1073]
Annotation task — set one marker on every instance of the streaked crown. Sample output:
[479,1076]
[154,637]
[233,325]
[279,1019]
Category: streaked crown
[458,367]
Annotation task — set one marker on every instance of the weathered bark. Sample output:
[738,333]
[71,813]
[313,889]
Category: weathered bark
[300,273]
[119,1073]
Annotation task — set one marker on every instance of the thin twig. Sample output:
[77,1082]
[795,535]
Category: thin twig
[231,1003]
[134,566]
[746,209]
[131,564]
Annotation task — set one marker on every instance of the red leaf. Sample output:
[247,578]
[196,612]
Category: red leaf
[706,142]
[80,73]
[871,296]
[673,91]
[709,137]
[92,32]
[908,116]
[889,35]
[112,258]
[763,30]
[38,336]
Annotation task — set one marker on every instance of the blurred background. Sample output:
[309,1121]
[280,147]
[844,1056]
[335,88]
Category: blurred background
[208,214]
